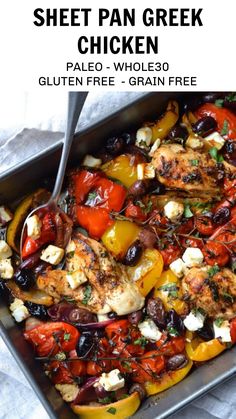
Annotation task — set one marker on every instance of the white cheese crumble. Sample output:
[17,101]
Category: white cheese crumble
[5,215]
[111,381]
[215,140]
[194,321]
[5,250]
[194,142]
[145,171]
[193,256]
[102,317]
[143,137]
[76,278]
[52,254]
[173,210]
[154,147]
[91,161]
[222,331]
[178,267]
[34,226]
[149,330]
[6,269]
[19,311]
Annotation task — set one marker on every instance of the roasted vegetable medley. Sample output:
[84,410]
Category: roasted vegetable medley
[135,283]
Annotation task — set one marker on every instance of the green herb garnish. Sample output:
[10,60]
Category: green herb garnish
[87,294]
[171,288]
[225,128]
[141,341]
[228,297]
[231,97]
[219,321]
[111,410]
[194,162]
[213,270]
[219,103]
[66,337]
[172,331]
[215,155]
[187,211]
[105,400]
[60,356]
[70,255]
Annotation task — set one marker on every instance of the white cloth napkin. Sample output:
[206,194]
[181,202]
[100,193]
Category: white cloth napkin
[29,123]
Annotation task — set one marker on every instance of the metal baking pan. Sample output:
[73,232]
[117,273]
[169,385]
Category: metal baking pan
[24,178]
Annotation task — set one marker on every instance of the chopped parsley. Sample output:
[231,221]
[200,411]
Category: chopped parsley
[231,97]
[215,154]
[141,341]
[111,410]
[66,337]
[172,331]
[60,356]
[126,365]
[145,208]
[105,400]
[225,128]
[187,211]
[87,294]
[171,289]
[228,297]
[69,299]
[92,196]
[219,321]
[194,162]
[70,255]
[219,103]
[213,270]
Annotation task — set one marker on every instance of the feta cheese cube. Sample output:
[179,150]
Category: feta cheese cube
[174,210]
[34,226]
[178,267]
[222,331]
[215,140]
[145,171]
[149,330]
[111,381]
[91,161]
[143,137]
[194,321]
[19,311]
[5,250]
[5,216]
[76,278]
[68,391]
[154,147]
[193,256]
[6,269]
[52,254]
[102,317]
[194,142]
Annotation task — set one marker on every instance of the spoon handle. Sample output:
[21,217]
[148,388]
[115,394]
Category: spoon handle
[75,105]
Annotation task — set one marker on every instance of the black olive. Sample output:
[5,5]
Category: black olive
[81,315]
[156,310]
[176,362]
[37,310]
[205,126]
[206,332]
[140,389]
[175,322]
[115,145]
[24,279]
[155,187]
[147,237]
[178,132]
[229,152]
[133,254]
[85,344]
[221,216]
[5,293]
[128,138]
[139,188]
[135,317]
[112,315]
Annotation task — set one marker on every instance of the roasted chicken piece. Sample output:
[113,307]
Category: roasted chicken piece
[111,290]
[212,290]
[186,169]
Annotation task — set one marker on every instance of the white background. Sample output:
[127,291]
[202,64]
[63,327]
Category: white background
[207,52]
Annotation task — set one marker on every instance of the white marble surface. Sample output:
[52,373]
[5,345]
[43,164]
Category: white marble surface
[30,122]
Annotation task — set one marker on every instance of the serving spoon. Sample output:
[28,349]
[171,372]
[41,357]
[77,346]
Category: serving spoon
[75,105]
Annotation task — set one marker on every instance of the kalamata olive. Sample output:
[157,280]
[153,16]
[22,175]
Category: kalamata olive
[221,216]
[147,237]
[129,138]
[135,317]
[80,315]
[178,132]
[156,310]
[204,126]
[133,254]
[37,310]
[206,332]
[5,293]
[24,279]
[155,187]
[138,188]
[104,156]
[112,315]
[101,393]
[115,145]
[176,362]
[137,151]
[85,344]
[140,389]
[174,323]
[87,392]
[230,103]
[229,152]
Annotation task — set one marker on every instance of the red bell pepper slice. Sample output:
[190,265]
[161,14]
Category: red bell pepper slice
[224,118]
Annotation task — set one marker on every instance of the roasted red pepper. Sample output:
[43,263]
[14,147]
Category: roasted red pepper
[48,235]
[226,120]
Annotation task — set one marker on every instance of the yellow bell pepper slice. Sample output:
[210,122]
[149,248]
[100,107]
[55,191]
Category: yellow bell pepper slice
[14,229]
[199,350]
[122,168]
[120,410]
[147,271]
[161,128]
[34,296]
[120,236]
[161,290]
[168,380]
